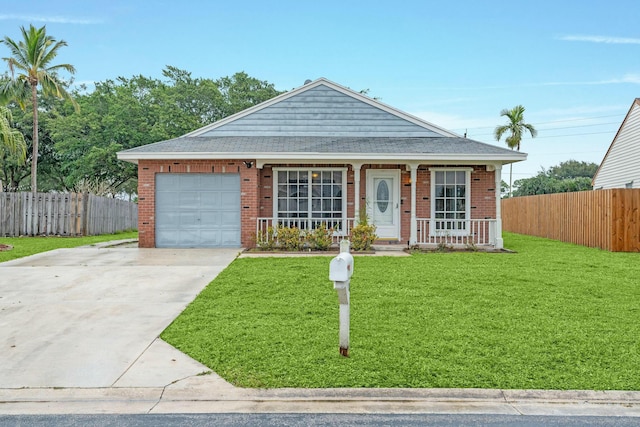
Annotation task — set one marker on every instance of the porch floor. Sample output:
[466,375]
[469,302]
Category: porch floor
[388,247]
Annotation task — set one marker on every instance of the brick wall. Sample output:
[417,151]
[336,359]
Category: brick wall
[483,193]
[147,170]
[483,197]
[256,186]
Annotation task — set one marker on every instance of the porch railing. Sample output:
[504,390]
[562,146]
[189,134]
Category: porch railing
[481,232]
[267,227]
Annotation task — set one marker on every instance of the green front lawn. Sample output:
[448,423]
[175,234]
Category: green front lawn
[552,316]
[25,246]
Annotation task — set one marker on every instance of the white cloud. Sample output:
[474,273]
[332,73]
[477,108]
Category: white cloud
[628,78]
[49,19]
[600,39]
[625,79]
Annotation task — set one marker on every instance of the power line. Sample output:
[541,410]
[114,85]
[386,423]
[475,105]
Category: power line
[580,126]
[554,136]
[573,134]
[551,122]
[577,120]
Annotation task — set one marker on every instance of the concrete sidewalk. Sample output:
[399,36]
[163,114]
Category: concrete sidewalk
[211,394]
[79,335]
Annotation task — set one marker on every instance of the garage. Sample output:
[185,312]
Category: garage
[197,210]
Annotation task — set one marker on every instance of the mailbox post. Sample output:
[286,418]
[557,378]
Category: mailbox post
[340,271]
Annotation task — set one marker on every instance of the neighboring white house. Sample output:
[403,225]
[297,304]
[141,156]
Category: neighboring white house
[620,167]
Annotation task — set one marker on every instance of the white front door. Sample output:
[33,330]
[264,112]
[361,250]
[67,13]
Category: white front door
[383,202]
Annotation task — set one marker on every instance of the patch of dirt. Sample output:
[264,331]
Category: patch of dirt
[4,247]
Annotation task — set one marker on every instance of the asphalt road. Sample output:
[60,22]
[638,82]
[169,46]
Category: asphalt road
[311,420]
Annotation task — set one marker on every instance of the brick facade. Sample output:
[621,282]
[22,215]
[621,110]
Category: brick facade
[256,186]
[147,170]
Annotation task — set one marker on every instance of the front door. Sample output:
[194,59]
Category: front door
[383,197]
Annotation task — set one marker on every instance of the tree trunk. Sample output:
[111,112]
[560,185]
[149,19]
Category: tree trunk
[510,176]
[34,160]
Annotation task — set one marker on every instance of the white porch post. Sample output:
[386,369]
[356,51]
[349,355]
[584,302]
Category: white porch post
[413,234]
[356,190]
[498,184]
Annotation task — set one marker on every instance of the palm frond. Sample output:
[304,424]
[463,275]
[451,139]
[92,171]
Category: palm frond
[15,90]
[10,138]
[67,67]
[49,55]
[515,127]
[17,53]
[531,130]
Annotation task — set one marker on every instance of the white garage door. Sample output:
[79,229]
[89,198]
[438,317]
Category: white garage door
[197,210]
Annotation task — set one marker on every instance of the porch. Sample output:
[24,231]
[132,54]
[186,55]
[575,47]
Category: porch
[430,232]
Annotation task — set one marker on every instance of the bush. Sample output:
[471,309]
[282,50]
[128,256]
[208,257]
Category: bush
[363,236]
[266,240]
[289,238]
[320,238]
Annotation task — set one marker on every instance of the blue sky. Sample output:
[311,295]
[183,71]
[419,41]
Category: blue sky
[574,65]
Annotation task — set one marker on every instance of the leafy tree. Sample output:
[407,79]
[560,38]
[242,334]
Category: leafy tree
[193,102]
[515,128]
[241,91]
[117,115]
[568,176]
[128,112]
[504,189]
[32,57]
[573,169]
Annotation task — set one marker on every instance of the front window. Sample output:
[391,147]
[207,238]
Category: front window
[450,205]
[306,197]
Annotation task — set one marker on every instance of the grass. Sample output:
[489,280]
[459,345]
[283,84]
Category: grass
[25,246]
[552,316]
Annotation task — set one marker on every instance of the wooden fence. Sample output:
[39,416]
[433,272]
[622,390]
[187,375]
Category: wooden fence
[605,219]
[68,214]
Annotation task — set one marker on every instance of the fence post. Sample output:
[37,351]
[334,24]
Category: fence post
[85,214]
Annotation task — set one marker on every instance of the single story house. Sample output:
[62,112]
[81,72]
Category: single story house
[620,167]
[320,153]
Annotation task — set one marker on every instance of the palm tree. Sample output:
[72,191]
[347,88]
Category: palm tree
[32,57]
[11,138]
[516,128]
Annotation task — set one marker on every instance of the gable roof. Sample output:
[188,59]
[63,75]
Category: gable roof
[324,122]
[321,108]
[619,135]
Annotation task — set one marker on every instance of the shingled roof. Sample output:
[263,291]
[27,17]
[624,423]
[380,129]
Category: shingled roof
[323,121]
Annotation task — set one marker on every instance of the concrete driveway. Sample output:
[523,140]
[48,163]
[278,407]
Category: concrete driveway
[90,316]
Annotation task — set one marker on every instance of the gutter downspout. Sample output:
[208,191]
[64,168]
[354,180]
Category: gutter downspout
[499,243]
[413,236]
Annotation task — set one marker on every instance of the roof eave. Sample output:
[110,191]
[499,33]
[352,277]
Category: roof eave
[636,102]
[294,157]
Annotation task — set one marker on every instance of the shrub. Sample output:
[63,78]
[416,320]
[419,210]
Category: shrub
[265,240]
[289,238]
[363,234]
[320,238]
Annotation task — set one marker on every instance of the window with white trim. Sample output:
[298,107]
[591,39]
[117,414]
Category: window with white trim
[450,195]
[307,197]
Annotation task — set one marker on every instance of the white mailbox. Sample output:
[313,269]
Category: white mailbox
[340,272]
[341,267]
